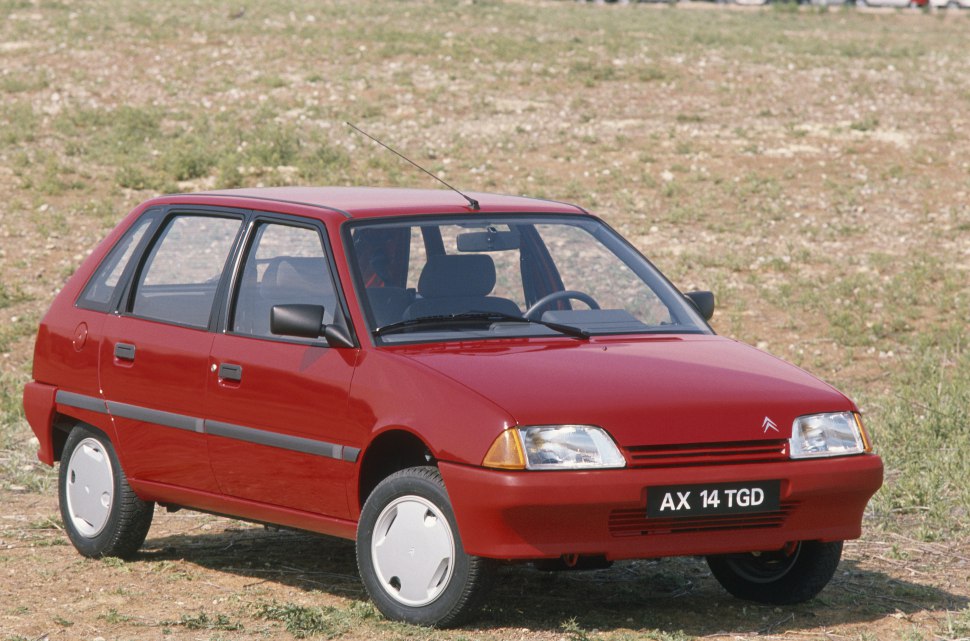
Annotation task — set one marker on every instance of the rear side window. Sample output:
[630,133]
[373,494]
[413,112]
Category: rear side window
[100,290]
[179,279]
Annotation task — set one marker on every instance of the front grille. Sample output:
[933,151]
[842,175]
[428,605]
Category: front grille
[695,454]
[635,522]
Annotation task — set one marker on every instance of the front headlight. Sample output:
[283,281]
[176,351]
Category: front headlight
[554,447]
[835,434]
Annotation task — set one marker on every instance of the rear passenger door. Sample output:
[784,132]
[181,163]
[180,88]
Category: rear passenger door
[155,353]
[277,418]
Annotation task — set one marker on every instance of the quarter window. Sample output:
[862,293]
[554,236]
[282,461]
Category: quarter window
[100,289]
[179,280]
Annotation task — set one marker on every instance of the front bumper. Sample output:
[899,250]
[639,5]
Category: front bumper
[532,515]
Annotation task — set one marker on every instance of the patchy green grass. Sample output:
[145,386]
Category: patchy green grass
[956,625]
[923,432]
[113,617]
[204,621]
[305,622]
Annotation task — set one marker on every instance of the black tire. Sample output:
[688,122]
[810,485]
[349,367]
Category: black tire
[444,597]
[778,578]
[115,521]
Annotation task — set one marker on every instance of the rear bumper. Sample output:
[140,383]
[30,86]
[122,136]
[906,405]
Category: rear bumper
[529,515]
[39,411]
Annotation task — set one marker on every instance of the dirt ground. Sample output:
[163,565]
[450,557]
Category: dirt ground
[206,577]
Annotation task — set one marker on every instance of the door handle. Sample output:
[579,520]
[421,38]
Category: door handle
[125,351]
[230,372]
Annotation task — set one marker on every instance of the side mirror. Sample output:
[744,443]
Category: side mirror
[306,321]
[703,302]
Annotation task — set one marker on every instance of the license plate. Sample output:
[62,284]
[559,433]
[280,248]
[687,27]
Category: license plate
[713,498]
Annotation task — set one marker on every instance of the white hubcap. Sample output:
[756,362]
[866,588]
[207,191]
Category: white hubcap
[90,487]
[413,551]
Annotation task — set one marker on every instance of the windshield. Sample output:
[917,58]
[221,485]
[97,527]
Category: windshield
[486,276]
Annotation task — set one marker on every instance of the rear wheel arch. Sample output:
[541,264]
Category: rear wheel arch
[61,428]
[389,452]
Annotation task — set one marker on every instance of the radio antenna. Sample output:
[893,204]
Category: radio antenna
[471,201]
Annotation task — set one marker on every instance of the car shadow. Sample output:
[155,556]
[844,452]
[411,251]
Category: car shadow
[671,595]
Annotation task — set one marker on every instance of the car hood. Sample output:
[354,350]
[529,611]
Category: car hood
[648,391]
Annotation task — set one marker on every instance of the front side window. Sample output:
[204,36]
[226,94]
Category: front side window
[284,265]
[502,276]
[179,279]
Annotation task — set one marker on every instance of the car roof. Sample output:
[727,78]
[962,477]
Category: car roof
[367,202]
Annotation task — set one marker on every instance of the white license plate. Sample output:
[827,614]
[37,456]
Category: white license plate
[713,498]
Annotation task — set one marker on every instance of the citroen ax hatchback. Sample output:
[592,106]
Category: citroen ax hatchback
[453,384]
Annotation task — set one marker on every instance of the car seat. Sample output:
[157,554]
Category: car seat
[458,283]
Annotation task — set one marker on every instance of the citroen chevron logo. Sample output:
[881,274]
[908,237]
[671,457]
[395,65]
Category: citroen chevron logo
[769,424]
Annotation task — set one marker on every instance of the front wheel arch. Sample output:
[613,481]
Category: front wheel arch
[391,451]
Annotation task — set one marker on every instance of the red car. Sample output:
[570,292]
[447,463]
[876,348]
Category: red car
[451,383]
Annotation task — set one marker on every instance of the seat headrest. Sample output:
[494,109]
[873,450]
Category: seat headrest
[457,275]
[296,272]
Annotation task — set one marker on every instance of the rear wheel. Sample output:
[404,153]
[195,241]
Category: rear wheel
[410,555]
[791,575]
[101,513]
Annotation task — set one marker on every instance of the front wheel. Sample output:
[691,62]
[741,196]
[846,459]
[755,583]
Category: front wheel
[410,556]
[102,515]
[791,575]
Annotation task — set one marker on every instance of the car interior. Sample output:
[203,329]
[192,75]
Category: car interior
[452,284]
[284,280]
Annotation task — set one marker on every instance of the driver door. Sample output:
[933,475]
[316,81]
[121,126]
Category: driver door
[277,418]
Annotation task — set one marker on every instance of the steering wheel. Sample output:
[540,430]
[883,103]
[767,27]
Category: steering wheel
[535,311]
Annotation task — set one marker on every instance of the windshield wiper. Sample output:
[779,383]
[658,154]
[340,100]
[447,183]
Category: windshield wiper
[478,317]
[568,330]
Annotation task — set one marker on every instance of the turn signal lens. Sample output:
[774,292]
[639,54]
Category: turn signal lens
[506,452]
[866,441]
